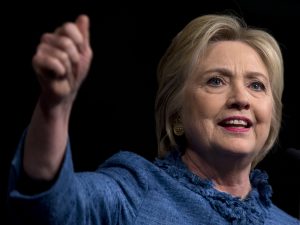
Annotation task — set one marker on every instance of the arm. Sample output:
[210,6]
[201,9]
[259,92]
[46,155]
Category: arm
[61,62]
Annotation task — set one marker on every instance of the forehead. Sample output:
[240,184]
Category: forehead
[232,55]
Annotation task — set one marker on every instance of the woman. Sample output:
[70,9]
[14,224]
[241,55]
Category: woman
[218,112]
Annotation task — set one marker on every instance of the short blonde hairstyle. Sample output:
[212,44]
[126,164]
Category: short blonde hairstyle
[182,57]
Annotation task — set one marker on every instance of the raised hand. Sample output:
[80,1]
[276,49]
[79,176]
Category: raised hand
[62,61]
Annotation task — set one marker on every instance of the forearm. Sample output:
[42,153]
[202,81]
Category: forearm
[39,207]
[46,140]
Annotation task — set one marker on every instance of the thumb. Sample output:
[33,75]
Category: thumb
[83,24]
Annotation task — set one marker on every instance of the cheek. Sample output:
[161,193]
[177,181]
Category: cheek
[268,111]
[200,112]
[264,115]
[202,106]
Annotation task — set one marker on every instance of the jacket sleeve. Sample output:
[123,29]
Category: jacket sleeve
[107,196]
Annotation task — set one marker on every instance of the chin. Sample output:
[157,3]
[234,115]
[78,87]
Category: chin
[238,149]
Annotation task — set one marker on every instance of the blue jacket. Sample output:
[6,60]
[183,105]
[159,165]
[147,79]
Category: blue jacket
[130,190]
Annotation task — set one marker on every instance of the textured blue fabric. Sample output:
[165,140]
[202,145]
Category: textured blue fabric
[128,189]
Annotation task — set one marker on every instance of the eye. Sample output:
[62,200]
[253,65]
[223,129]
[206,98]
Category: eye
[215,81]
[257,86]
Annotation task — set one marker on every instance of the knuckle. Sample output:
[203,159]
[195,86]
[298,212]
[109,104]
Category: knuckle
[67,27]
[64,56]
[35,59]
[45,37]
[42,47]
[66,42]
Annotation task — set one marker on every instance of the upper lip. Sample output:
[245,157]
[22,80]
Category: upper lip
[249,123]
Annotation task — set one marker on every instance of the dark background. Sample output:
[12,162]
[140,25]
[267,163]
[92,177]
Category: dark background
[114,109]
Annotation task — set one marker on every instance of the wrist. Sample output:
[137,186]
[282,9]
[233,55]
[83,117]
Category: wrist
[60,108]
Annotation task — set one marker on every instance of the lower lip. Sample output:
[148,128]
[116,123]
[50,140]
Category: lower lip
[237,129]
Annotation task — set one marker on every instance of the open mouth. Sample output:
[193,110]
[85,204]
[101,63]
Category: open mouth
[236,123]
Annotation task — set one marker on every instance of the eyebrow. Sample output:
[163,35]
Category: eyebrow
[228,73]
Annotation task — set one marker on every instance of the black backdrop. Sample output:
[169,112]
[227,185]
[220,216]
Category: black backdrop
[114,109]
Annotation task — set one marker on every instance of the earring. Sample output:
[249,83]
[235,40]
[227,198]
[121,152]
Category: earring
[178,127]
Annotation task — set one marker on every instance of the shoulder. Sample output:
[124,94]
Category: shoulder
[132,172]
[280,217]
[130,165]
[127,159]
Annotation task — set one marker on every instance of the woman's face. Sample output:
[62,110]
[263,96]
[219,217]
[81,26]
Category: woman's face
[228,102]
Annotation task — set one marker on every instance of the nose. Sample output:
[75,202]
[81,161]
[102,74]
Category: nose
[238,98]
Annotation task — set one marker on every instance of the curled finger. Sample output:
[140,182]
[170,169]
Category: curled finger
[63,43]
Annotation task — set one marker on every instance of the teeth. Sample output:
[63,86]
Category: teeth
[236,122]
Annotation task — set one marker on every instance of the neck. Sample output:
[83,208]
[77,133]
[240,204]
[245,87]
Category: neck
[231,177]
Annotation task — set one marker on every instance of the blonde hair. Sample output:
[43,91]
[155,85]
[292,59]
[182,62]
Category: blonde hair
[181,59]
